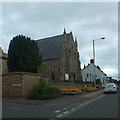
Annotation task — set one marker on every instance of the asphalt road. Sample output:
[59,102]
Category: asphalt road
[73,106]
[103,107]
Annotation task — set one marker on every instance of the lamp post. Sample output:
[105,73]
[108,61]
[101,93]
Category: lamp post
[94,58]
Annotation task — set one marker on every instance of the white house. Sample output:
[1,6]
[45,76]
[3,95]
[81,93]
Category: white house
[88,73]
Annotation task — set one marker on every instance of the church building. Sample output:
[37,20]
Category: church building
[60,58]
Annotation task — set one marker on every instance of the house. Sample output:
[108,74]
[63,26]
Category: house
[88,73]
[60,58]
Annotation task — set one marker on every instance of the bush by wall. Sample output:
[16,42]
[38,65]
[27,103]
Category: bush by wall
[43,91]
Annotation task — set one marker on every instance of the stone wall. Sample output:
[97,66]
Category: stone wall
[52,70]
[3,62]
[66,85]
[4,66]
[18,84]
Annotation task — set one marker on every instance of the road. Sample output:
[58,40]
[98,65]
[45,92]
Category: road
[73,106]
[104,107]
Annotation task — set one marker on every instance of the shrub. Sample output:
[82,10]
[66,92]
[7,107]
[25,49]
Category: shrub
[98,86]
[42,91]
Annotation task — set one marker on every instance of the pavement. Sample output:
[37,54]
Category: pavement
[85,95]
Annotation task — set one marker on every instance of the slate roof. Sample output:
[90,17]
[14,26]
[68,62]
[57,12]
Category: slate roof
[95,66]
[50,48]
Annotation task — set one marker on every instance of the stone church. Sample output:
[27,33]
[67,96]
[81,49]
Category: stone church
[60,58]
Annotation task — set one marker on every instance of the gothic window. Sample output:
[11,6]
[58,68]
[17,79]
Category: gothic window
[69,50]
[74,76]
[53,66]
[58,69]
[74,53]
[53,77]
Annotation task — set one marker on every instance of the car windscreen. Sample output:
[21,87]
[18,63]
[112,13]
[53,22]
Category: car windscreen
[109,86]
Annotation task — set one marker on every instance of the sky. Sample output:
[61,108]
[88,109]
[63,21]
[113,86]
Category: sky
[87,21]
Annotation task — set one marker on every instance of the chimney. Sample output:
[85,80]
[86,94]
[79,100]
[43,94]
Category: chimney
[91,61]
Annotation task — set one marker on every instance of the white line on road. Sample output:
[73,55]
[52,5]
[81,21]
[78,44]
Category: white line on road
[77,103]
[77,107]
[14,108]
[57,111]
[72,109]
[60,115]
[96,98]
[66,112]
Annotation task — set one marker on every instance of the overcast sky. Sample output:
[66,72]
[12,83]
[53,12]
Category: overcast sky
[86,20]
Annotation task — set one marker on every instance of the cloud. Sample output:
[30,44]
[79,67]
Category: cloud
[87,21]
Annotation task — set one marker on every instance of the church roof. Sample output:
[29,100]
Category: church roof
[50,48]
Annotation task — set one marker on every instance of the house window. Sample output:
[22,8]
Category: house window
[87,75]
[90,77]
[95,76]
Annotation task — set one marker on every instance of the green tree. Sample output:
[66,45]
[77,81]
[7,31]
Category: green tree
[23,55]
[98,81]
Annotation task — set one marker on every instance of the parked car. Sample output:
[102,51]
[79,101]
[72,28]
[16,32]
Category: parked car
[117,86]
[110,88]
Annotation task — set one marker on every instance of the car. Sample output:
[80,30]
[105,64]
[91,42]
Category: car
[110,88]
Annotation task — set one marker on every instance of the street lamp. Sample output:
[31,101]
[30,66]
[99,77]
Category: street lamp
[94,57]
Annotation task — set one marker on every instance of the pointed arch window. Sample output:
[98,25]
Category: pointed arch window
[53,77]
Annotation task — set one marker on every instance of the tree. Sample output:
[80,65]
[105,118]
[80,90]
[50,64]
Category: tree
[23,55]
[98,81]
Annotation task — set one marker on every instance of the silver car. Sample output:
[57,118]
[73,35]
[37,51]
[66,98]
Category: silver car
[110,88]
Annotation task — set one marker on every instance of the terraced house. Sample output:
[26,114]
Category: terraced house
[60,58]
